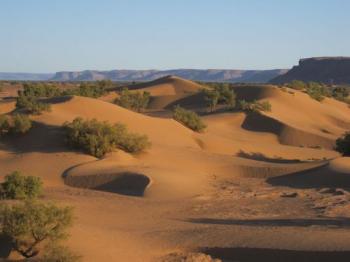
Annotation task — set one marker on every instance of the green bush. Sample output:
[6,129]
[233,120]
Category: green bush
[135,100]
[341,93]
[18,186]
[31,104]
[4,124]
[189,119]
[16,124]
[212,97]
[343,144]
[40,90]
[98,138]
[255,106]
[220,93]
[20,124]
[29,225]
[297,84]
[93,90]
[316,91]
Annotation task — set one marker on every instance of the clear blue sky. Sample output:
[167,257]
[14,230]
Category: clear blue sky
[55,35]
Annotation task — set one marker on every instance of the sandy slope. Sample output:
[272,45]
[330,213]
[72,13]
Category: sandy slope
[185,174]
[165,91]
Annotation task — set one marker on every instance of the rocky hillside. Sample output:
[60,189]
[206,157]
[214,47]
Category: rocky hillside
[330,70]
[248,76]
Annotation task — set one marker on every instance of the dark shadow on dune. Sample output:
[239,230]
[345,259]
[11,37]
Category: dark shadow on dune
[275,255]
[5,247]
[125,183]
[40,138]
[260,123]
[296,222]
[287,135]
[318,177]
[250,92]
[57,100]
[194,101]
[262,157]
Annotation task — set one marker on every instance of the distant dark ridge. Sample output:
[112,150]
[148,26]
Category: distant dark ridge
[329,70]
[209,75]
[25,76]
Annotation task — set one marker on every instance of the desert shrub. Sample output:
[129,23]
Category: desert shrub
[340,93]
[18,186]
[29,225]
[135,101]
[211,97]
[189,119]
[4,124]
[20,124]
[220,93]
[227,95]
[316,91]
[31,104]
[40,90]
[297,84]
[105,84]
[255,106]
[98,138]
[343,144]
[93,90]
[15,124]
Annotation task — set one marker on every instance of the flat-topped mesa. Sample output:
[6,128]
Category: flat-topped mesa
[329,70]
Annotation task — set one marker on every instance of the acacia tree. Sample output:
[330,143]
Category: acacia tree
[30,224]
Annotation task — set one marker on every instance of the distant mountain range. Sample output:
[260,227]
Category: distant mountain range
[25,76]
[329,70]
[260,76]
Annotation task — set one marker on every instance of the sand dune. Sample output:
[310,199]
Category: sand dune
[336,173]
[167,90]
[133,207]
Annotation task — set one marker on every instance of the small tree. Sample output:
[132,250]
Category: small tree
[18,186]
[229,97]
[4,124]
[16,124]
[212,97]
[135,101]
[343,144]
[29,225]
[31,104]
[189,119]
[20,124]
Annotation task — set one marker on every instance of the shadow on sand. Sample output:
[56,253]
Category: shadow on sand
[124,183]
[339,222]
[275,255]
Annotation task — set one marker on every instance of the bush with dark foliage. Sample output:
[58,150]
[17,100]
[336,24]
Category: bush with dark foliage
[189,119]
[98,138]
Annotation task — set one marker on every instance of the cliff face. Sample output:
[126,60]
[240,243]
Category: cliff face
[329,70]
[210,75]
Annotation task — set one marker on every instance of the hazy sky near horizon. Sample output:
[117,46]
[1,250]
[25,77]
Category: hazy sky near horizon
[61,35]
